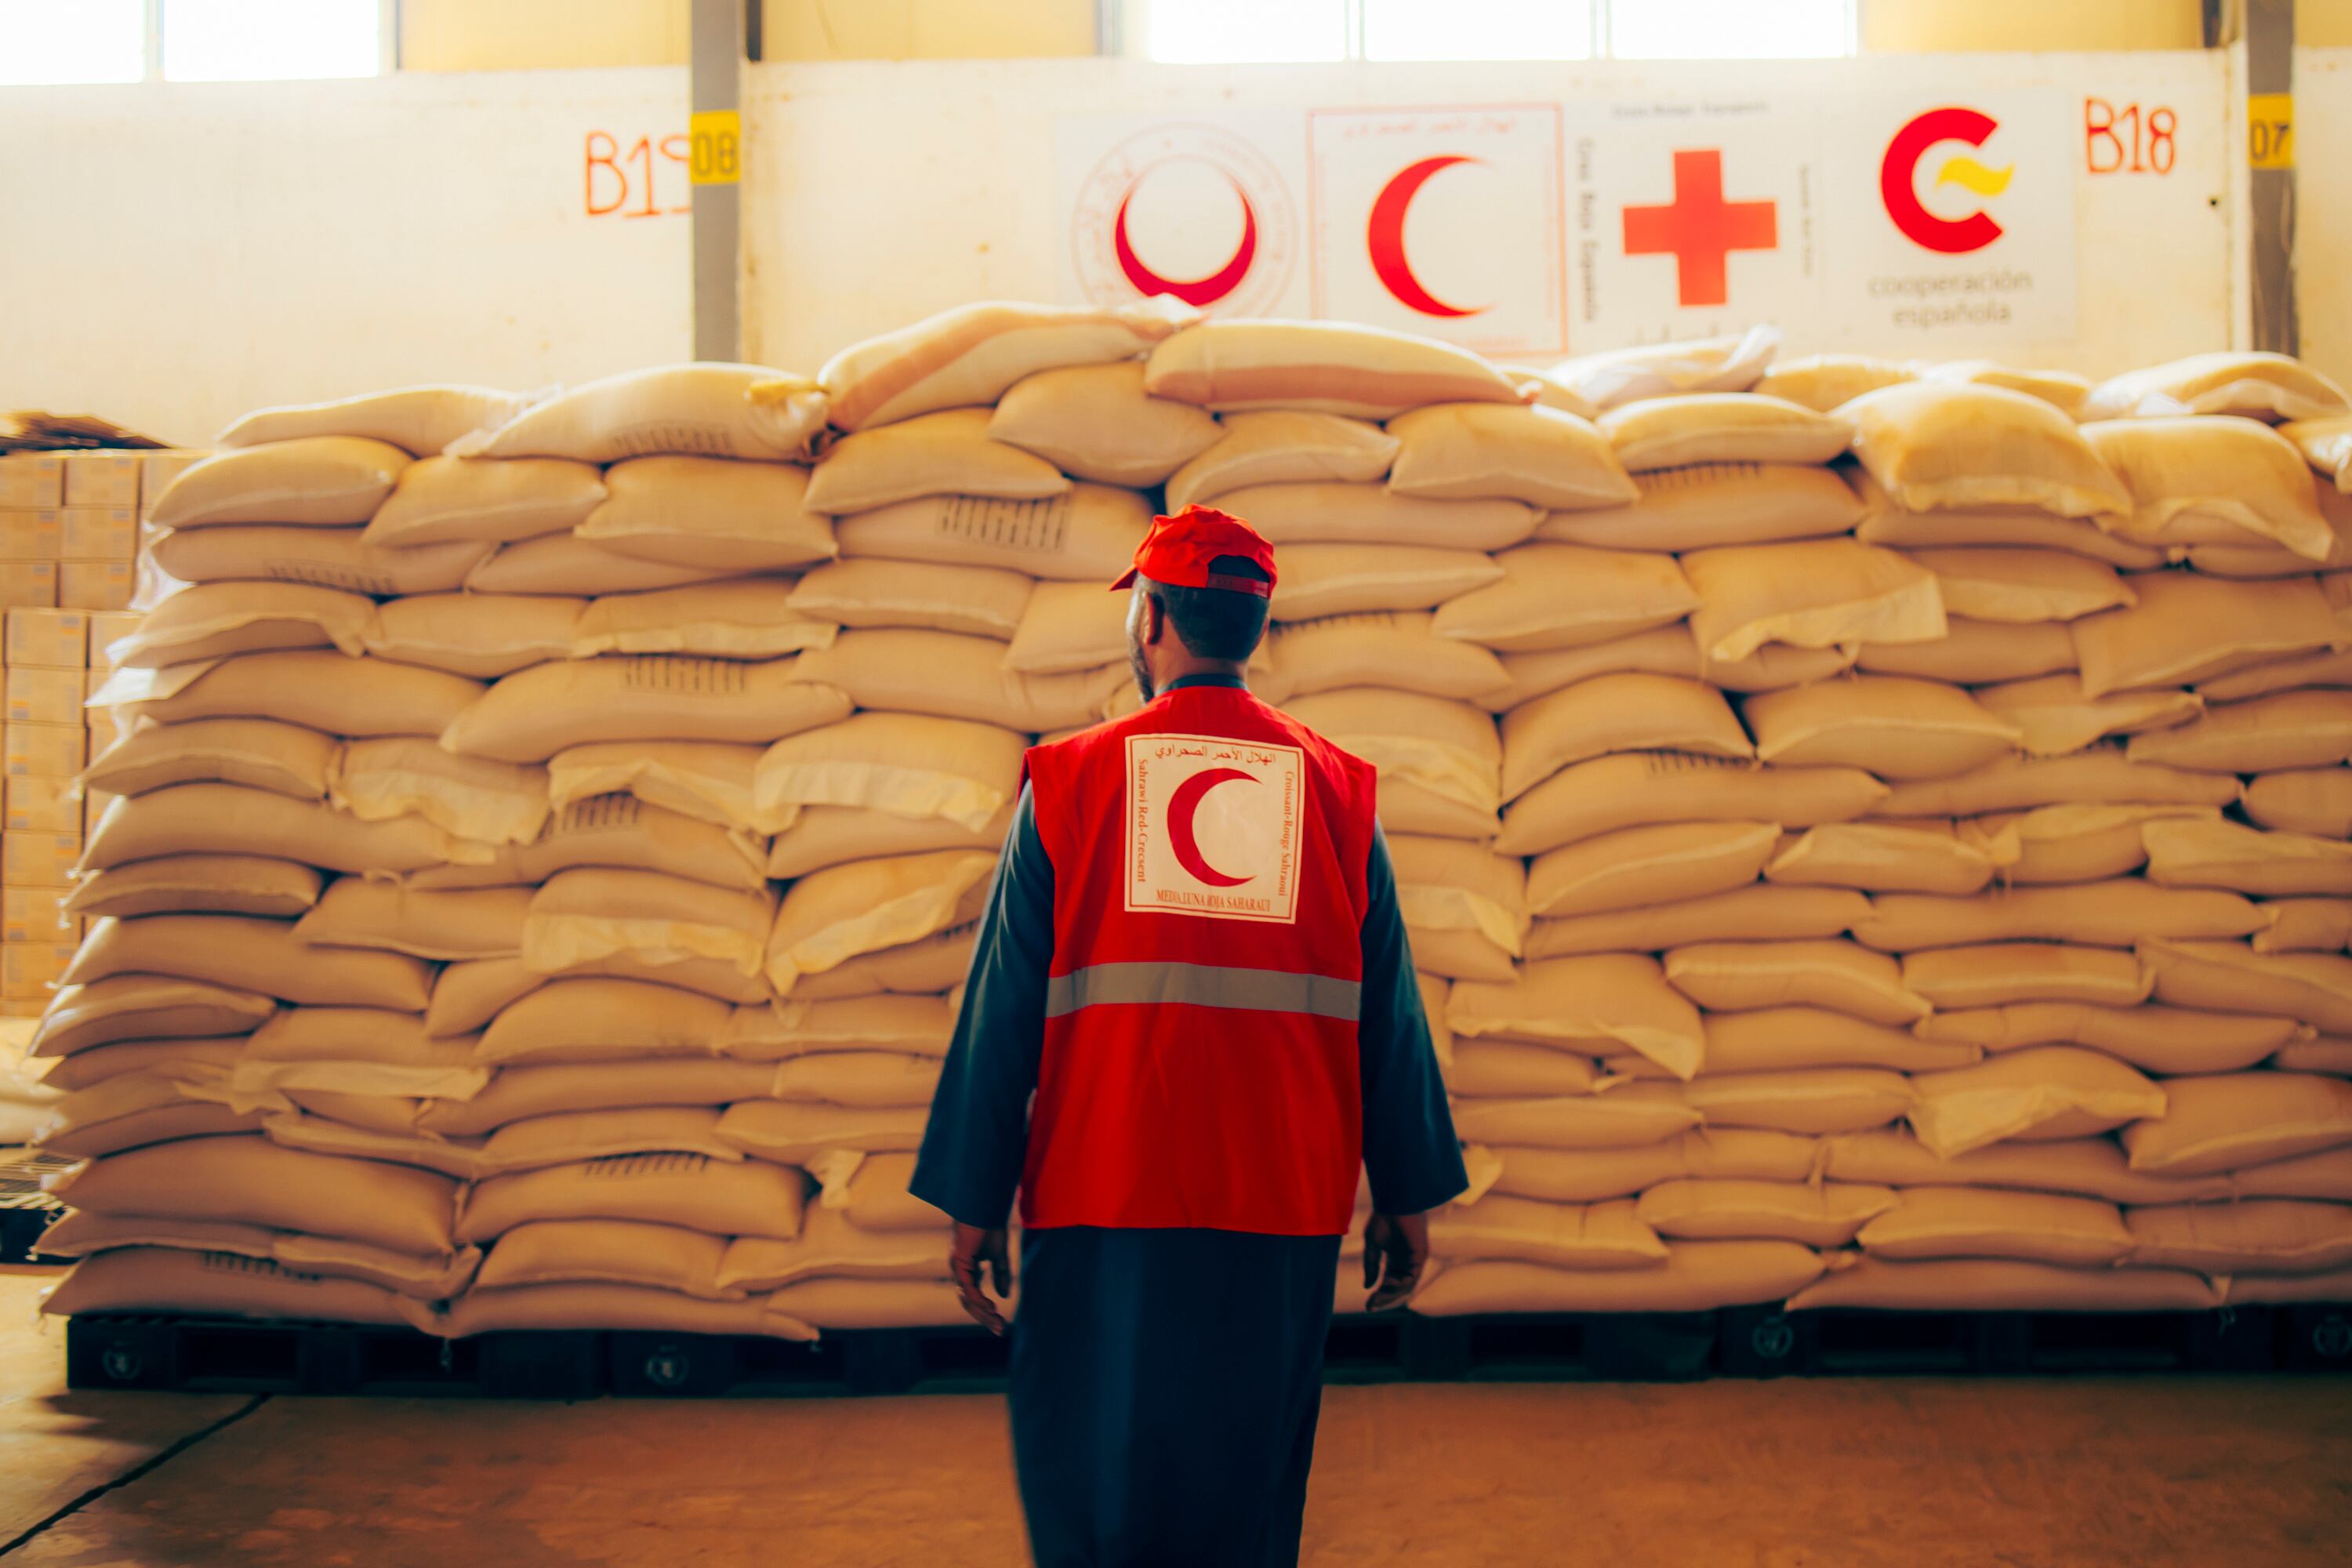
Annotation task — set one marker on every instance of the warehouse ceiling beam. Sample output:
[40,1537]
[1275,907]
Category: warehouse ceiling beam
[717,142]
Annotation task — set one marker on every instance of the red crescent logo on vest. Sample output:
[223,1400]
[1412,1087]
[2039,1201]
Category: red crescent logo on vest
[1207,290]
[1950,235]
[1384,236]
[1182,806]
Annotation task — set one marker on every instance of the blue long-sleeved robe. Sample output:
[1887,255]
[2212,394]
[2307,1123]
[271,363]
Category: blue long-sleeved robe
[1166,1383]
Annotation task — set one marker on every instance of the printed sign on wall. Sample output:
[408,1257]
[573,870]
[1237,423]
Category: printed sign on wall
[1207,210]
[1899,223]
[1970,237]
[1692,220]
[1441,221]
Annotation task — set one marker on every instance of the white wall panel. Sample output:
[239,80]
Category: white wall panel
[2322,236]
[882,190]
[177,254]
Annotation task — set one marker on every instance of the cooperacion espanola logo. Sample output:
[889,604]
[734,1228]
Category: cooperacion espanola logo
[1213,827]
[1898,179]
[1187,210]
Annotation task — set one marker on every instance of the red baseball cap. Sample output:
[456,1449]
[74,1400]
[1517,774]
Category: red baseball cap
[1179,549]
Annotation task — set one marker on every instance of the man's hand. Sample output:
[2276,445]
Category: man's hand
[1396,1249]
[973,1247]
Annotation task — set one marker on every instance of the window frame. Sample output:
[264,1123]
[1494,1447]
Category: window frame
[150,42]
[1127,30]
[387,48]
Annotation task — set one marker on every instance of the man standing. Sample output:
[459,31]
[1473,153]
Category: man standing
[1192,958]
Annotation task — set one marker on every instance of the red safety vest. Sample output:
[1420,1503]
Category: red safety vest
[1200,1066]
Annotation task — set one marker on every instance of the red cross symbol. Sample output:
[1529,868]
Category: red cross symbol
[1700,228]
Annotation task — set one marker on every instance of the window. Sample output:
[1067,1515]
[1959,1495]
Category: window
[1242,32]
[1731,29]
[1230,32]
[271,40]
[42,42]
[1477,29]
[58,41]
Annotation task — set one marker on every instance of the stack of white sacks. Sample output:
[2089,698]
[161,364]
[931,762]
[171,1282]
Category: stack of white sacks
[550,838]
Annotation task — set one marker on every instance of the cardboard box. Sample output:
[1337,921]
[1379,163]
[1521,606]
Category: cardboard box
[38,859]
[108,628]
[29,971]
[104,726]
[158,469]
[102,479]
[49,639]
[34,479]
[32,535]
[45,751]
[41,805]
[38,696]
[98,533]
[36,914]
[28,585]
[94,585]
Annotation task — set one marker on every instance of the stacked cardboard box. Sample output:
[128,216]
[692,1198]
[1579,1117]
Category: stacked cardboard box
[69,524]
[98,530]
[46,657]
[32,501]
[70,535]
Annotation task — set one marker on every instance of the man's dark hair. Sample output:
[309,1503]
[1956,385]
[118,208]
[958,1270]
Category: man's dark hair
[1216,622]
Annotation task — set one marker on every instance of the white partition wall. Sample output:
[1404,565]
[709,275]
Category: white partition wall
[2071,209]
[177,254]
[2323,132]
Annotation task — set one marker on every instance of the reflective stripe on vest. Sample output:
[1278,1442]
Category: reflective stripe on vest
[1203,985]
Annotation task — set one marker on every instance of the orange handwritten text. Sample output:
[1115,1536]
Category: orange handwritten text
[631,181]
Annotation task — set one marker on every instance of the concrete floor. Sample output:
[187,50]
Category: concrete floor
[1901,1473]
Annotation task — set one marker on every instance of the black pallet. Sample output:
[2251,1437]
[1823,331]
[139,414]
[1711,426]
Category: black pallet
[2316,1337]
[25,1211]
[1394,1347]
[1525,1347]
[200,1355]
[1758,1341]
[21,1230]
[958,1358]
[1851,1342]
[156,1350]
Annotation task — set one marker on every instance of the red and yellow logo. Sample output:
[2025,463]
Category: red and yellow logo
[1898,171]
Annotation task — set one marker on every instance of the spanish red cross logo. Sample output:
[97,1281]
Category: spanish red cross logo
[1700,229]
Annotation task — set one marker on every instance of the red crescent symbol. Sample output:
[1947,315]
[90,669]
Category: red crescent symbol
[1950,235]
[1384,236]
[1181,807]
[1205,291]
